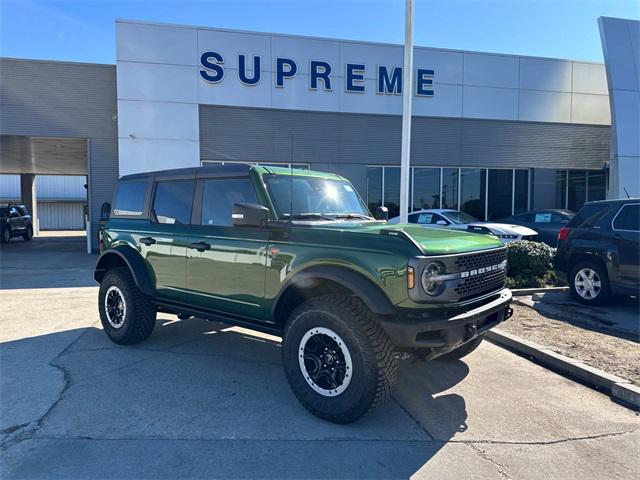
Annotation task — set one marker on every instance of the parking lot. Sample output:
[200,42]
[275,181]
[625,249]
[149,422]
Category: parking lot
[202,399]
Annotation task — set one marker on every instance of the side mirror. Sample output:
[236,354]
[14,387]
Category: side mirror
[441,222]
[382,213]
[105,211]
[249,215]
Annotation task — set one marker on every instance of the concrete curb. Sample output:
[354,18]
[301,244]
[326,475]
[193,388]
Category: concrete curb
[519,292]
[620,389]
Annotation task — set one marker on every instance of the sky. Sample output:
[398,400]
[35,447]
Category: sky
[84,30]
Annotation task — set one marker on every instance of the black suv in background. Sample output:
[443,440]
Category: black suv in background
[15,221]
[599,251]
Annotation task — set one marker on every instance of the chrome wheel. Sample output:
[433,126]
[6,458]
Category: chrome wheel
[587,283]
[115,306]
[325,361]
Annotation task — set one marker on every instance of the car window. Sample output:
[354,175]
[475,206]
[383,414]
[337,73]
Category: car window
[460,218]
[130,198]
[13,212]
[588,215]
[173,201]
[525,217]
[22,210]
[543,217]
[424,218]
[628,218]
[219,195]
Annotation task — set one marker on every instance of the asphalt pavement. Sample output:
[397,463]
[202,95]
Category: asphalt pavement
[202,399]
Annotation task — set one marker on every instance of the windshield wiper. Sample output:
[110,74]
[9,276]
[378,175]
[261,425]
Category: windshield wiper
[353,215]
[307,215]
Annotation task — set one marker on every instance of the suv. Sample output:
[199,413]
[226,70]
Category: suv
[15,221]
[599,251]
[297,254]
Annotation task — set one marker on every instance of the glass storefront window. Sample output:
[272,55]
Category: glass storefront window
[472,191]
[521,192]
[450,188]
[426,188]
[577,190]
[561,189]
[373,194]
[499,194]
[597,186]
[392,190]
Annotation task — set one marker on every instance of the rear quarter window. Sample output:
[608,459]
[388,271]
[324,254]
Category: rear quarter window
[130,198]
[628,218]
[588,215]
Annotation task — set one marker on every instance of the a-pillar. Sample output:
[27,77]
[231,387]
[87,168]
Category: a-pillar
[28,197]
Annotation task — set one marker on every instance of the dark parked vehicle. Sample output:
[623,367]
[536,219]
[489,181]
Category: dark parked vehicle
[599,251]
[15,221]
[297,253]
[546,222]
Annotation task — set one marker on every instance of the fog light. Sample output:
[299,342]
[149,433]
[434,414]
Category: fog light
[431,284]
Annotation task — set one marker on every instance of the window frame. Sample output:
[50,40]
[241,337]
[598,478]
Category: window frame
[147,199]
[613,220]
[159,180]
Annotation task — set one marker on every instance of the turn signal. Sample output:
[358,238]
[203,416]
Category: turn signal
[411,277]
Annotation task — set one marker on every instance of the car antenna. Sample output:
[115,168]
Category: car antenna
[291,181]
[625,191]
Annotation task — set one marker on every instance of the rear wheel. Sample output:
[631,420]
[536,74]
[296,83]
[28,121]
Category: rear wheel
[463,350]
[28,235]
[127,315]
[339,362]
[589,283]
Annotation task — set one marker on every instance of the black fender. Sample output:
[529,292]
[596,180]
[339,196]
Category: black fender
[132,260]
[372,296]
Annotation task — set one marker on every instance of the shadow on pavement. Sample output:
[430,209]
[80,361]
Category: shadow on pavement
[46,262]
[201,399]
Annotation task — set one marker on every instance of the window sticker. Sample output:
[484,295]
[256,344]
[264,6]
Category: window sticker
[543,217]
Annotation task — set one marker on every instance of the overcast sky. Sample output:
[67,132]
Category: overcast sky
[84,30]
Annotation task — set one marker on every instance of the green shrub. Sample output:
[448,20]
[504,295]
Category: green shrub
[530,265]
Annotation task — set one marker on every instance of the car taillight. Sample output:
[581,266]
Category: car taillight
[563,233]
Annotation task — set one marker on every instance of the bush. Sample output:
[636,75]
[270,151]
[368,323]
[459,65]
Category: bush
[530,265]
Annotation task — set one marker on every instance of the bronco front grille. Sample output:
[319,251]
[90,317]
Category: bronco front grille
[475,261]
[481,273]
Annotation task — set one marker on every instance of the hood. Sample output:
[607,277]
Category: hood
[432,240]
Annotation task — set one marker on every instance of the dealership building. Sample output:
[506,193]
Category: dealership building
[491,134]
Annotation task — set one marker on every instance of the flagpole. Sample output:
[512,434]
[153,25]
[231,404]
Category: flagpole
[407,97]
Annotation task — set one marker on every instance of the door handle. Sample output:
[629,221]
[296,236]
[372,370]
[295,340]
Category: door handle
[147,240]
[200,246]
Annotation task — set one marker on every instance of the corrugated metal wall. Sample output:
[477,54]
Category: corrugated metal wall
[48,187]
[345,143]
[61,215]
[62,99]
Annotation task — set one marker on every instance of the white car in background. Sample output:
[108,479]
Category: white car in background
[461,221]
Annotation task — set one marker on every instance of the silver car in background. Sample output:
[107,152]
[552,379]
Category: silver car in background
[461,221]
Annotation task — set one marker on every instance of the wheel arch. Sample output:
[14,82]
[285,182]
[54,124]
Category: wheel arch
[123,256]
[321,280]
[579,257]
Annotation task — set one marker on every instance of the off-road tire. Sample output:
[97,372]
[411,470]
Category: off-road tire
[28,235]
[6,235]
[374,363]
[140,313]
[605,291]
[463,350]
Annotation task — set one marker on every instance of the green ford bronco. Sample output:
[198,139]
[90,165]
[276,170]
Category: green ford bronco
[296,253]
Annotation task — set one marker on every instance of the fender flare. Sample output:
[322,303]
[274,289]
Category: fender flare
[373,297]
[134,262]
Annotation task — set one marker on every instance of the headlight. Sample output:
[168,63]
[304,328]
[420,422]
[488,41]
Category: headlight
[506,236]
[431,283]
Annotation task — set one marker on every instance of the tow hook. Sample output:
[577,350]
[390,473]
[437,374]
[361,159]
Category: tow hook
[508,313]
[470,331]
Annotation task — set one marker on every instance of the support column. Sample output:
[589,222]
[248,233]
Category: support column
[28,198]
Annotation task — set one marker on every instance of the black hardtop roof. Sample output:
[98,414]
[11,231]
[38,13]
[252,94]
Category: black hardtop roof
[229,170]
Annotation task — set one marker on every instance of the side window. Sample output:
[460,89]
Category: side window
[173,201]
[13,212]
[22,211]
[219,195]
[440,218]
[588,215]
[413,218]
[557,218]
[425,218]
[628,218]
[130,198]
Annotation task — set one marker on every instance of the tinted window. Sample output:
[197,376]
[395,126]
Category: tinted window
[424,218]
[130,198]
[500,187]
[374,187]
[22,210]
[588,215]
[628,218]
[426,184]
[472,191]
[173,200]
[219,195]
[525,217]
[392,190]
[450,188]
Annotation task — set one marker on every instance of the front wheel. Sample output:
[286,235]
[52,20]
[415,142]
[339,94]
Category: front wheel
[339,362]
[127,315]
[589,283]
[28,235]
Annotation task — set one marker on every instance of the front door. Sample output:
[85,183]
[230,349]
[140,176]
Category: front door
[626,235]
[226,264]
[164,244]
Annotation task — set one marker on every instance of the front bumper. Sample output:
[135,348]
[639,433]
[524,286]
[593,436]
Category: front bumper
[442,335]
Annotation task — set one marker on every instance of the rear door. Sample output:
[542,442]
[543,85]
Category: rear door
[626,235]
[226,265]
[165,244]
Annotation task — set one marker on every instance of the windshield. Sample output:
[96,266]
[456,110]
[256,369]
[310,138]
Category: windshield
[460,218]
[314,197]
